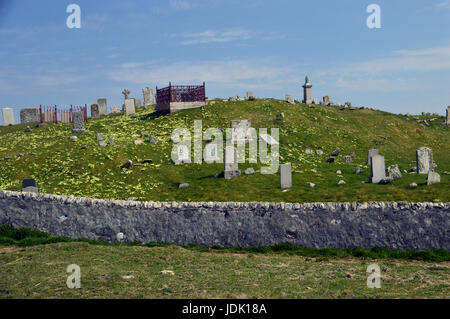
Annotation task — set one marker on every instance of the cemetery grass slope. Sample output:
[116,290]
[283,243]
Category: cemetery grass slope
[112,271]
[63,166]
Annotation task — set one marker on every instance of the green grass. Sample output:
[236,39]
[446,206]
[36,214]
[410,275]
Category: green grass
[61,166]
[40,272]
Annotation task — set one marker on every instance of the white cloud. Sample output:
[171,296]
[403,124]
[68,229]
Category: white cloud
[230,73]
[180,4]
[216,36]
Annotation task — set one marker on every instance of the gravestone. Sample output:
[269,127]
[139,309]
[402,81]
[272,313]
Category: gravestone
[29,185]
[371,153]
[182,155]
[448,115]
[250,96]
[394,172]
[326,100]
[289,99]
[211,153]
[433,178]
[95,112]
[286,175]
[231,168]
[148,97]
[377,169]
[348,104]
[102,106]
[8,116]
[30,115]
[78,122]
[129,106]
[424,160]
[240,131]
[137,102]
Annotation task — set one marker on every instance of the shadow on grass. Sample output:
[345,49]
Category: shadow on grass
[26,237]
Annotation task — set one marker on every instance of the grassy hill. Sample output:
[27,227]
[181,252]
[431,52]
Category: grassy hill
[83,168]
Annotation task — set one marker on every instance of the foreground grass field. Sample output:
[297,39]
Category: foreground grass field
[33,265]
[175,272]
[82,168]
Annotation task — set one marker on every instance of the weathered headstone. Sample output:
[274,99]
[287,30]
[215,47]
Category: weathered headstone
[211,153]
[433,178]
[182,155]
[148,97]
[326,100]
[394,172]
[30,115]
[8,116]
[348,104]
[231,167]
[78,122]
[250,96]
[424,160]
[240,131]
[377,169]
[102,106]
[289,99]
[371,153]
[95,112]
[286,175]
[29,185]
[129,106]
[448,115]
[137,102]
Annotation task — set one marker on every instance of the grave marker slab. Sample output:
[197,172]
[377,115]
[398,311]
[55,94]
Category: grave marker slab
[30,115]
[78,122]
[377,169]
[240,131]
[286,175]
[129,106]
[102,106]
[8,116]
[148,97]
[231,168]
[371,153]
[95,111]
[424,160]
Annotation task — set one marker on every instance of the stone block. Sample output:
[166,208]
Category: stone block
[30,115]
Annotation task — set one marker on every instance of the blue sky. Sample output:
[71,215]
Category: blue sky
[264,46]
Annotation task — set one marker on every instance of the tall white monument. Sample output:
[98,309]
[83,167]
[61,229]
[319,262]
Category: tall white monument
[307,91]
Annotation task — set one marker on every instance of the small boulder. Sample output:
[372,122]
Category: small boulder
[308,151]
[153,140]
[99,136]
[102,143]
[28,129]
[147,161]
[339,172]
[335,153]
[319,152]
[341,182]
[412,185]
[352,155]
[73,138]
[312,185]
[138,142]
[330,160]
[183,185]
[249,171]
[127,165]
[384,181]
[347,159]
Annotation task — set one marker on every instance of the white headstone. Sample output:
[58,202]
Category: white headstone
[231,163]
[286,175]
[8,116]
[377,169]
[371,153]
[129,106]
[102,106]
[148,97]
[424,160]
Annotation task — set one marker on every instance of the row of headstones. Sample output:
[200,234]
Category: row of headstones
[326,101]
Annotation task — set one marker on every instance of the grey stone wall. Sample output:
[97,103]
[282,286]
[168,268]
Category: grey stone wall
[340,225]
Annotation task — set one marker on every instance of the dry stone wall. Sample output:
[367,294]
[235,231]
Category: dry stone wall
[341,225]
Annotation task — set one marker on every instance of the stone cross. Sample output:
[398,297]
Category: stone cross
[286,175]
[126,92]
[424,160]
[377,169]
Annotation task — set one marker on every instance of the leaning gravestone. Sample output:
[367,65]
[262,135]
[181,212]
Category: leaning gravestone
[129,106]
[394,172]
[286,175]
[29,185]
[8,116]
[30,115]
[148,97]
[78,122]
[377,169]
[102,106]
[371,153]
[231,168]
[95,111]
[424,160]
